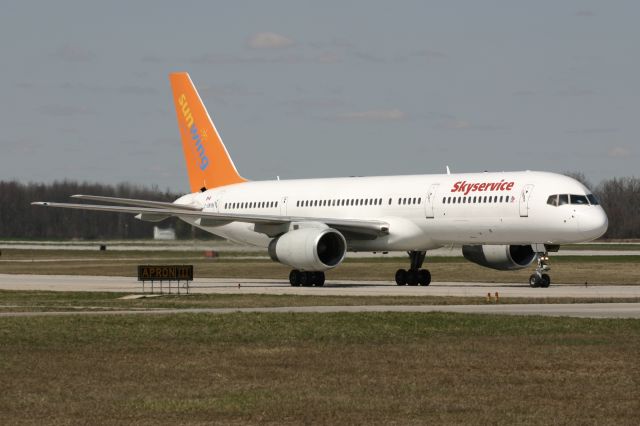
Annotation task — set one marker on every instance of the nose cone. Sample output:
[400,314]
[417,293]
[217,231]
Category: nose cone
[593,223]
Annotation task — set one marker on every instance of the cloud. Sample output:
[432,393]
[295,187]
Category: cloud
[71,53]
[574,91]
[368,57]
[455,124]
[594,130]
[328,58]
[374,115]
[460,124]
[153,59]
[63,110]
[428,54]
[618,152]
[268,40]
[131,89]
[585,13]
[225,59]
[524,92]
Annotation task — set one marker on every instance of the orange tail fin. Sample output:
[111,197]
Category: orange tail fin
[208,162]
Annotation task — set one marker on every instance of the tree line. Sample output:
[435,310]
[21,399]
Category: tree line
[620,197]
[20,220]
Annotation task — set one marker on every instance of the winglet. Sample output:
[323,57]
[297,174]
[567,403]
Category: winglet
[208,163]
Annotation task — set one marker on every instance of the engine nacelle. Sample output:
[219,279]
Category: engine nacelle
[309,249]
[503,257]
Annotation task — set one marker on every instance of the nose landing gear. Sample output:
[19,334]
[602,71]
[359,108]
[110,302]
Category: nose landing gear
[415,275]
[540,278]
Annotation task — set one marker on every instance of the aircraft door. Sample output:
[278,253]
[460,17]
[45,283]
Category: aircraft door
[283,206]
[524,200]
[430,201]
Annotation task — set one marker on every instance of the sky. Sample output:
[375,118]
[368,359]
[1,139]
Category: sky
[302,89]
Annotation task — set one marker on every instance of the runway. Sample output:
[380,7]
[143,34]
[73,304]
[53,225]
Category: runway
[331,288]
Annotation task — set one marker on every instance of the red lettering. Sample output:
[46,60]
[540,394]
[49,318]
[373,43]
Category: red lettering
[466,188]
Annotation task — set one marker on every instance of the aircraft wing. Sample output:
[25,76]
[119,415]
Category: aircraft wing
[354,228]
[135,202]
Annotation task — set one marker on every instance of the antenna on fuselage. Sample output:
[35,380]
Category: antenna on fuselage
[448,171]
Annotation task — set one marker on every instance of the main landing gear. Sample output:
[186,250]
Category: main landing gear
[306,278]
[414,275]
[540,278]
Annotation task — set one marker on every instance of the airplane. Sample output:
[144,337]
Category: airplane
[502,220]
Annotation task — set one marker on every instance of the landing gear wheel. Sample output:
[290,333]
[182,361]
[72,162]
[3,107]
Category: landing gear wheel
[294,278]
[424,277]
[401,277]
[412,277]
[306,279]
[534,281]
[545,281]
[318,279]
[541,278]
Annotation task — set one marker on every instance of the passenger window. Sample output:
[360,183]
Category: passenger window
[563,199]
[552,200]
[593,200]
[579,199]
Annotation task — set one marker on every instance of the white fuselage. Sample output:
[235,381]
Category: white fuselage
[423,211]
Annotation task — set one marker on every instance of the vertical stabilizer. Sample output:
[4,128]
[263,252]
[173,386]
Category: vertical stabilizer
[208,162]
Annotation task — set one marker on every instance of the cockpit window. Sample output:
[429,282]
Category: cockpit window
[579,199]
[563,199]
[593,200]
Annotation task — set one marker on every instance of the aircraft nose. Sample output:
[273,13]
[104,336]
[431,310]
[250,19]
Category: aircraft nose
[593,223]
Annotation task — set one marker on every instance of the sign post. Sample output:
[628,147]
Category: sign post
[165,273]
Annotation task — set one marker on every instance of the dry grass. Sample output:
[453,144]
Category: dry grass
[56,301]
[319,368]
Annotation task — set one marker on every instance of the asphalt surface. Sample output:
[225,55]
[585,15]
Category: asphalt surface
[331,288]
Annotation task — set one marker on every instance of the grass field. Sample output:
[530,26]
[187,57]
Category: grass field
[565,269]
[319,368]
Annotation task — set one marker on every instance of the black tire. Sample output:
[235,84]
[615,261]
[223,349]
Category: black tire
[534,281]
[318,280]
[294,278]
[412,277]
[401,277]
[306,279]
[545,281]
[424,277]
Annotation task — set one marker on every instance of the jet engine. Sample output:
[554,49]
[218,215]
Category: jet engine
[309,249]
[501,257]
